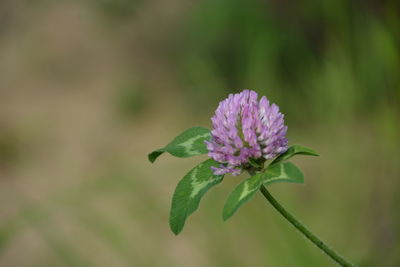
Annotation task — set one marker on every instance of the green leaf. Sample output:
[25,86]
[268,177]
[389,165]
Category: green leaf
[294,150]
[280,172]
[155,154]
[241,194]
[187,144]
[189,192]
[283,172]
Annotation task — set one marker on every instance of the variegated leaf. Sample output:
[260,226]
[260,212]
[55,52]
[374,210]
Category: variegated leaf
[241,194]
[187,144]
[280,172]
[294,150]
[283,172]
[189,192]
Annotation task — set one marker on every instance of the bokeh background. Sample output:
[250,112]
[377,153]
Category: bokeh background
[88,88]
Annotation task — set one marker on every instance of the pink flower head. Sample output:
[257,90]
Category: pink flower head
[243,128]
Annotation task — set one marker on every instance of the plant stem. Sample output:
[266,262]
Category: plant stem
[313,238]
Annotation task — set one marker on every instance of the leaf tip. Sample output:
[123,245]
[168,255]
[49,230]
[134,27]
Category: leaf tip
[313,153]
[227,213]
[176,232]
[154,155]
[176,229]
[225,217]
[150,158]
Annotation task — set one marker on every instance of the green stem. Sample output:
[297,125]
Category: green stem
[313,238]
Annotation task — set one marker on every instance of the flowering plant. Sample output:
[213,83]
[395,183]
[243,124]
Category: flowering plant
[248,135]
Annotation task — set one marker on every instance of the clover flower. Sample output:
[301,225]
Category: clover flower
[243,129]
[246,133]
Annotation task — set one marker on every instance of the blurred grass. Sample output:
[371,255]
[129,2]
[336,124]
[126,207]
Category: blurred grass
[88,88]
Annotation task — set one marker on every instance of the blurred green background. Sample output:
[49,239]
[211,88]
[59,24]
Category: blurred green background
[88,88]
